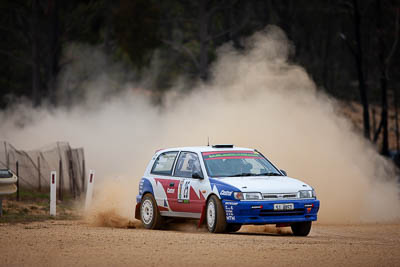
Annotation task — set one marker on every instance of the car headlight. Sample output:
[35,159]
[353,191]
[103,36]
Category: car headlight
[314,195]
[307,194]
[247,196]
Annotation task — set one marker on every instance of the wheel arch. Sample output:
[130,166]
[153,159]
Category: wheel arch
[145,193]
[204,208]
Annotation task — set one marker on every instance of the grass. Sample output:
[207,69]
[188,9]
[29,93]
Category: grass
[34,206]
[38,195]
[33,195]
[28,218]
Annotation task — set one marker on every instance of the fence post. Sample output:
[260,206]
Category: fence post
[71,168]
[61,182]
[83,175]
[7,156]
[71,186]
[40,182]
[89,190]
[53,192]
[17,170]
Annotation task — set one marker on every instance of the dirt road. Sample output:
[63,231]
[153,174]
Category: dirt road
[75,243]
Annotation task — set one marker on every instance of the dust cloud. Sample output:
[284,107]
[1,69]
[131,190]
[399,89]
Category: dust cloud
[257,98]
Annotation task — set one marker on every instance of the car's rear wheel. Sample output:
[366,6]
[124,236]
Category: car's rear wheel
[216,220]
[301,228]
[232,227]
[149,213]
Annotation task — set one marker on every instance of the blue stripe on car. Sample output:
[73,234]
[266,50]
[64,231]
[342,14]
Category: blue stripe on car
[225,190]
[144,187]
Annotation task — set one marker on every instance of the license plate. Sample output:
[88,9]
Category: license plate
[286,206]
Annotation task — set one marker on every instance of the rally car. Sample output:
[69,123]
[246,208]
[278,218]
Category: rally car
[225,186]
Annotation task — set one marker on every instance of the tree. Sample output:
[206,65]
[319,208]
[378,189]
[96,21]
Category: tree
[136,26]
[54,47]
[207,23]
[357,52]
[35,53]
[384,59]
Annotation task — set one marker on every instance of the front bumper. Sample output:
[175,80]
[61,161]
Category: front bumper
[262,212]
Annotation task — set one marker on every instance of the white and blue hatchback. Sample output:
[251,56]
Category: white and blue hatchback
[225,186]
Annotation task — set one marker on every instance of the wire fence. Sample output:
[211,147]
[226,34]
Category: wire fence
[34,167]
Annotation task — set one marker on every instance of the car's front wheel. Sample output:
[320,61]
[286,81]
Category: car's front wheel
[216,220]
[149,213]
[301,228]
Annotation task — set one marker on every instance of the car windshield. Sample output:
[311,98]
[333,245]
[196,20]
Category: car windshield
[238,163]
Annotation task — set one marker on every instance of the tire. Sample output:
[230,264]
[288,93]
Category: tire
[215,215]
[301,228]
[149,213]
[231,227]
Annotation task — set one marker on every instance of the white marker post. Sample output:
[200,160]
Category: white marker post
[89,190]
[53,190]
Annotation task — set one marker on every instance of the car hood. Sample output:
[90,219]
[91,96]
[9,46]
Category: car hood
[266,184]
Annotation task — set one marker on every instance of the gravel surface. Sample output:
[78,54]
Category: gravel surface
[76,243]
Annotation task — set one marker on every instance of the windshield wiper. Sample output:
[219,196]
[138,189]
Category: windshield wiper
[269,174]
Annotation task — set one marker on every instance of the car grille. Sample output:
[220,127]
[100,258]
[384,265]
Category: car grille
[295,212]
[280,196]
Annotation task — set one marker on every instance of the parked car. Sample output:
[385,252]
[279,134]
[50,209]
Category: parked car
[226,187]
[8,182]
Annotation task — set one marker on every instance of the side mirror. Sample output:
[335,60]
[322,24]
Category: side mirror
[197,175]
[284,172]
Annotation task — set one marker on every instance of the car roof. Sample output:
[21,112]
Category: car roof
[204,149]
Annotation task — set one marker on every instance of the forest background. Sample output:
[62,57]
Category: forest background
[350,48]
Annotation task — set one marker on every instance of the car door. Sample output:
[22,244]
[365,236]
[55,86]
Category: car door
[190,200]
[165,188]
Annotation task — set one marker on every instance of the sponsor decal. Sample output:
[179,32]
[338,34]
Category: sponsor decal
[229,212]
[170,190]
[231,203]
[230,218]
[230,155]
[233,155]
[225,193]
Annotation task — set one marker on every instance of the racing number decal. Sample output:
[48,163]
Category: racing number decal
[184,191]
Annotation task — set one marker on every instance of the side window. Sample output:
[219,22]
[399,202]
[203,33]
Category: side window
[164,163]
[188,164]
